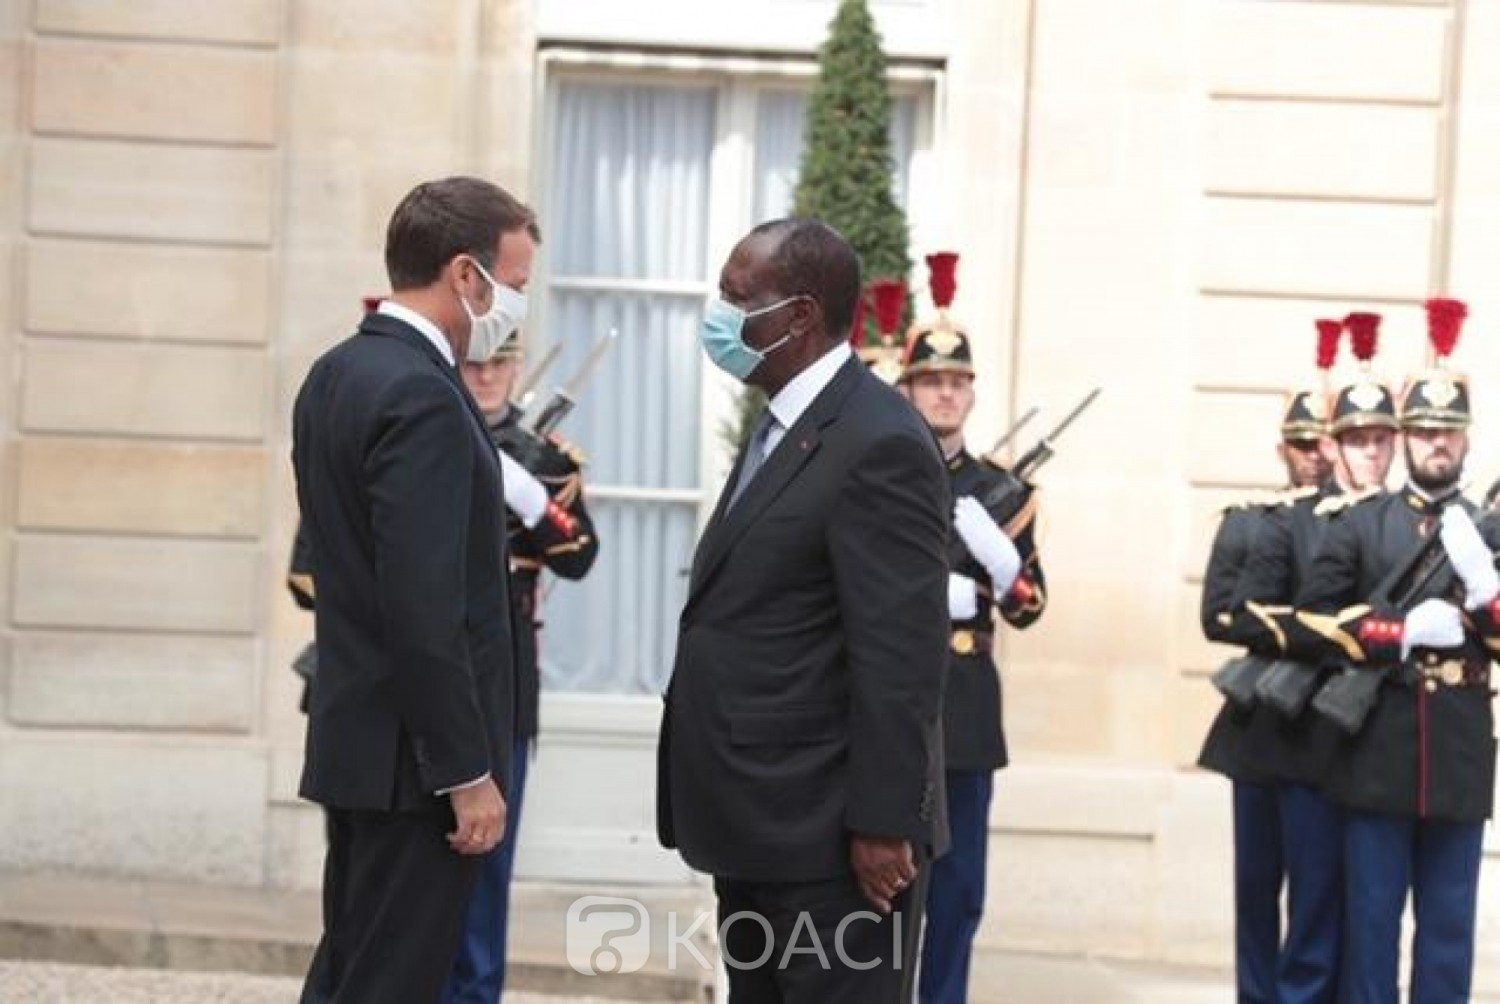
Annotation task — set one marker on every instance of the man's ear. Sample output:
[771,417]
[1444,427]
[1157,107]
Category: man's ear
[460,272]
[807,316]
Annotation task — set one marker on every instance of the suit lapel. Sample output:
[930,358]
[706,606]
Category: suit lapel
[796,448]
[391,327]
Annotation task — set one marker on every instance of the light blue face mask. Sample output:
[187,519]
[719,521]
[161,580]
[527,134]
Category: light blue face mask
[723,337]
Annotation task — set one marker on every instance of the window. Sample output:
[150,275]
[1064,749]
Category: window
[648,178]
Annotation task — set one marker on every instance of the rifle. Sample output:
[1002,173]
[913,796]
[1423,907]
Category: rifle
[1016,427]
[1045,448]
[1348,698]
[527,442]
[305,664]
[1237,679]
[1011,488]
[526,391]
[565,398]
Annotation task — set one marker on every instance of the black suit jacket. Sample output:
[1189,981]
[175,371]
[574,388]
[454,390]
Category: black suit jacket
[401,502]
[805,702]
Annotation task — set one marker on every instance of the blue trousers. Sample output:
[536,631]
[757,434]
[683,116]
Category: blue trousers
[955,891]
[1439,863]
[1312,850]
[478,973]
[1259,870]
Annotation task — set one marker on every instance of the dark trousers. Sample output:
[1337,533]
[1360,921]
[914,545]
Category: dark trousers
[394,899]
[955,891]
[478,973]
[1312,848]
[1258,873]
[1439,863]
[817,942]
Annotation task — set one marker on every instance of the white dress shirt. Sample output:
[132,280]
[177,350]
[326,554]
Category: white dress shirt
[430,331]
[798,395]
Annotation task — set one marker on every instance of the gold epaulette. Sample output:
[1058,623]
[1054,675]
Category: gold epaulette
[1263,500]
[1335,504]
[1290,496]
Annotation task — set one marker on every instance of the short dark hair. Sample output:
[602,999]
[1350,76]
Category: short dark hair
[813,259]
[440,219]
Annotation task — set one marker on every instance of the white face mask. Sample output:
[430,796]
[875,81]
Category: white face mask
[489,332]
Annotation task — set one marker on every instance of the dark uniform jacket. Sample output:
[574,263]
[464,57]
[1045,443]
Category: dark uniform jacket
[400,493]
[1427,749]
[1299,750]
[563,542]
[973,705]
[1228,747]
[805,700]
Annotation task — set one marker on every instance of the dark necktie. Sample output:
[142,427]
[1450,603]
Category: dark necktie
[755,454]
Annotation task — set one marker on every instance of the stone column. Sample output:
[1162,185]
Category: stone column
[148,208]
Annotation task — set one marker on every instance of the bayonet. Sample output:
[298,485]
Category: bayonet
[1046,446]
[1016,427]
[526,391]
[565,398]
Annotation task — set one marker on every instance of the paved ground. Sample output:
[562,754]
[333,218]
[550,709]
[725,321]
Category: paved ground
[120,942]
[1030,981]
[51,983]
[1001,978]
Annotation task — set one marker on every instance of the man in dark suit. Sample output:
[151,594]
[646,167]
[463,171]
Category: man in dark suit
[411,714]
[801,750]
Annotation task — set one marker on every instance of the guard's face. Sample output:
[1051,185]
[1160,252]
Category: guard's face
[1306,465]
[1435,457]
[943,399]
[1365,456]
[491,383]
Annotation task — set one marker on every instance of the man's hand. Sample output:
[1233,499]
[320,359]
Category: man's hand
[1471,557]
[480,812]
[883,867]
[987,542]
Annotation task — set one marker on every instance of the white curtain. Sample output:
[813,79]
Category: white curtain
[628,200]
[780,117]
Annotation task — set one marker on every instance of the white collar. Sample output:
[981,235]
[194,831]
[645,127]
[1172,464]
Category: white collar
[800,391]
[390,308]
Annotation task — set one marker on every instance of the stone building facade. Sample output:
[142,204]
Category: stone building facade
[1155,196]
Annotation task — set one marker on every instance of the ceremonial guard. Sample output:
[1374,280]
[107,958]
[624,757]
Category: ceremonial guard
[1238,745]
[1295,746]
[549,529]
[1404,592]
[994,567]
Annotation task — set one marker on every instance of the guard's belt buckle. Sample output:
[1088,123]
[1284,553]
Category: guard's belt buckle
[966,641]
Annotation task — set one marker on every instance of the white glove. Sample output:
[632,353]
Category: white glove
[1471,556]
[963,597]
[1432,624]
[524,495]
[987,543]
